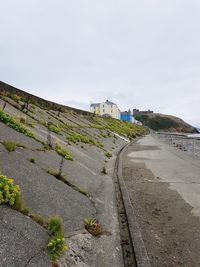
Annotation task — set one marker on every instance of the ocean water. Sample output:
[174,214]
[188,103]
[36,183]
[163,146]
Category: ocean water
[194,135]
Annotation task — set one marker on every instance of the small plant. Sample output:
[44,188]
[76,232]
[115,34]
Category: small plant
[15,97]
[64,153]
[104,135]
[55,226]
[93,226]
[11,146]
[108,154]
[22,120]
[9,121]
[54,129]
[56,247]
[104,170]
[32,160]
[9,192]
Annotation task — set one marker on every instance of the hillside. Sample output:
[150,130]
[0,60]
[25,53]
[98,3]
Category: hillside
[161,122]
[60,161]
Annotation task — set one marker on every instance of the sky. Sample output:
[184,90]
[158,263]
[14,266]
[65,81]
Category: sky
[137,53]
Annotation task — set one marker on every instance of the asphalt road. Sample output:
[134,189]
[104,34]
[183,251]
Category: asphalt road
[164,188]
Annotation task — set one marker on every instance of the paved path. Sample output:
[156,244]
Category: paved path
[174,167]
[164,188]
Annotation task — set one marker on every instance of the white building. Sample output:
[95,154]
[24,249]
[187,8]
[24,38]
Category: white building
[107,108]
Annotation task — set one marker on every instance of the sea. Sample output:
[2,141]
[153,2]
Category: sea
[194,135]
[197,135]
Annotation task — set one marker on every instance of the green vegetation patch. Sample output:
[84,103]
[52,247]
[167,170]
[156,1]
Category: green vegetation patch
[9,121]
[93,227]
[64,153]
[126,129]
[9,192]
[11,146]
[54,128]
[108,154]
[157,123]
[76,138]
[56,246]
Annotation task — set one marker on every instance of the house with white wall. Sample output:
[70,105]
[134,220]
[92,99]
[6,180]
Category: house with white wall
[106,108]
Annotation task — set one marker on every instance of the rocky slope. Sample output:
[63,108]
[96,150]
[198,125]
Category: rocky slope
[62,159]
[161,122]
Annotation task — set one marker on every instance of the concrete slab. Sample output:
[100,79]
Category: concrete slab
[9,134]
[22,240]
[45,194]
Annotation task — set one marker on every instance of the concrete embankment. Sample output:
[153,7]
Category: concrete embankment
[63,163]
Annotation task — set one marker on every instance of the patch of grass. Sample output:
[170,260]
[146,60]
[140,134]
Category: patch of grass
[93,226]
[22,120]
[54,128]
[96,126]
[126,129]
[76,138]
[104,135]
[64,153]
[15,97]
[55,226]
[9,121]
[56,247]
[108,154]
[11,146]
[32,160]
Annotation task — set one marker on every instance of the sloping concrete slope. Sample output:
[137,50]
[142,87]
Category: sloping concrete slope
[86,192]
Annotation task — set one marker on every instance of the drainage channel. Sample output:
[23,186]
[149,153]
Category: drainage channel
[126,241]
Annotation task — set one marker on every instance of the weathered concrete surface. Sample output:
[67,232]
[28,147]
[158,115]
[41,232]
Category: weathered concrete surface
[161,185]
[47,196]
[8,134]
[22,241]
[87,251]
[44,193]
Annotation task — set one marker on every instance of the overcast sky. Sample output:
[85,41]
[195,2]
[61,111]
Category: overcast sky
[137,53]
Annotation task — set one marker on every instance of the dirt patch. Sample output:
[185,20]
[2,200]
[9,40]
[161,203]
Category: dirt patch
[171,233]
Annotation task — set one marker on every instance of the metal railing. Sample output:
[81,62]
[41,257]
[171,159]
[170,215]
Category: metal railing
[190,145]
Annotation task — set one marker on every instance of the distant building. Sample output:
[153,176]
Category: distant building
[141,112]
[107,109]
[126,116]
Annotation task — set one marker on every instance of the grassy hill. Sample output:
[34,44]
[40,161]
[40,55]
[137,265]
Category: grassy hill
[56,182]
[161,122]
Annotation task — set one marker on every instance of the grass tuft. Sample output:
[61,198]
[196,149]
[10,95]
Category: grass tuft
[56,246]
[93,226]
[11,146]
[64,153]
[108,154]
[9,121]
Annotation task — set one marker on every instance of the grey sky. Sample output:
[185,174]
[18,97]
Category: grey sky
[137,53]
